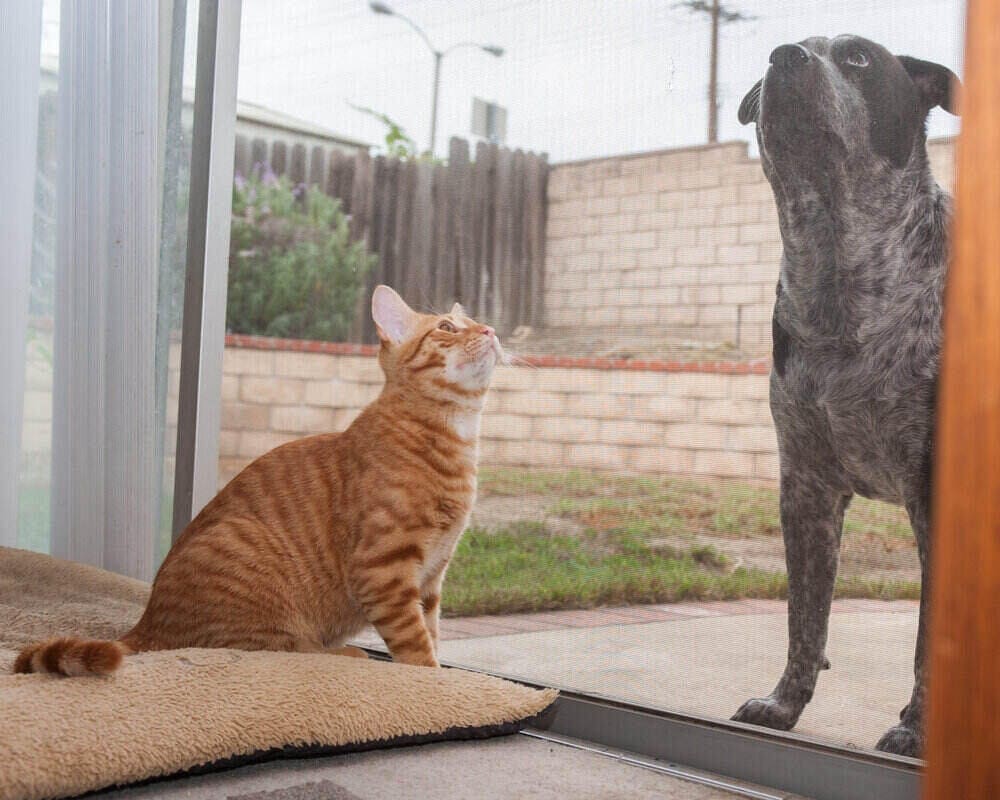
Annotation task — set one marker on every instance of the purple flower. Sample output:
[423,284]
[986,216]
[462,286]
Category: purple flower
[269,178]
[240,182]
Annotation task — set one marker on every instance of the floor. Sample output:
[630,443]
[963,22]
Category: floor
[704,658]
[700,658]
[510,767]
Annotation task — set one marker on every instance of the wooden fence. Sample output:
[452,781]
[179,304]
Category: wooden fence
[466,230]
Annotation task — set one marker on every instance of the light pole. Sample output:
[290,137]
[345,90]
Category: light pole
[492,49]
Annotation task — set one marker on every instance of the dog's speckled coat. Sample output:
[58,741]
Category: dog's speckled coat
[857,323]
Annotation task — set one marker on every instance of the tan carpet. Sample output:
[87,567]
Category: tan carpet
[182,710]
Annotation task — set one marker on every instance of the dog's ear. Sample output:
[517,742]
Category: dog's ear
[750,107]
[938,85]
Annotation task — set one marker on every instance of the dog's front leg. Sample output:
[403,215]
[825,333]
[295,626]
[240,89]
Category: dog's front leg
[907,738]
[812,517]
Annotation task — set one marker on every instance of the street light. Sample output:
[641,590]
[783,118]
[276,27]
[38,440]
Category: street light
[492,49]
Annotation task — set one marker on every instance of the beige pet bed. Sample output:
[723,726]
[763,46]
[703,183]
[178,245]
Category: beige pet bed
[196,710]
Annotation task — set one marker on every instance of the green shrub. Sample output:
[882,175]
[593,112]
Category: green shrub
[293,270]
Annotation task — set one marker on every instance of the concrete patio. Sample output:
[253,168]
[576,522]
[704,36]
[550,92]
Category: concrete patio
[704,658]
[700,658]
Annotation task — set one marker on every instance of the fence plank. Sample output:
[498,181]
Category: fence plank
[437,289]
[385,213]
[279,157]
[537,216]
[468,271]
[528,211]
[258,153]
[346,180]
[477,179]
[360,192]
[241,159]
[517,284]
[376,206]
[491,297]
[501,238]
[446,267]
[405,186]
[359,230]
[334,172]
[297,164]
[419,268]
[317,166]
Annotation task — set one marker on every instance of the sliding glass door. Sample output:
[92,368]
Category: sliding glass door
[99,152]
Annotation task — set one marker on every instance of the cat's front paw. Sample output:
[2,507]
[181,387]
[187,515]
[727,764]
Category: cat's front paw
[417,659]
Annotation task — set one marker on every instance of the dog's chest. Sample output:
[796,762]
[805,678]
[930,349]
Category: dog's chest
[875,424]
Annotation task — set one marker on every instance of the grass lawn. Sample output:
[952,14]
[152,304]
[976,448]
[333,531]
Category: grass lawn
[543,540]
[576,539]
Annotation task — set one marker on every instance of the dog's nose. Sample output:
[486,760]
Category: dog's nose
[789,56]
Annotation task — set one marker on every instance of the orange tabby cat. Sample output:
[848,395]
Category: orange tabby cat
[324,534]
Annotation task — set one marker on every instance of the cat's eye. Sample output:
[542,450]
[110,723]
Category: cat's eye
[447,326]
[858,58]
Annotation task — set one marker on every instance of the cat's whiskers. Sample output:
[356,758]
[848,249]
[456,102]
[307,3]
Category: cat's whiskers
[512,359]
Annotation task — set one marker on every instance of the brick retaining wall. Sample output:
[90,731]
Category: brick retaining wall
[649,416]
[642,416]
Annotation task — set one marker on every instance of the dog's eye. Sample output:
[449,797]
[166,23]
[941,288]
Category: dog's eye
[447,326]
[858,58]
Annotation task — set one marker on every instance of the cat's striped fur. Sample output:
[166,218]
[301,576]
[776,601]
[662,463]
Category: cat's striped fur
[322,535]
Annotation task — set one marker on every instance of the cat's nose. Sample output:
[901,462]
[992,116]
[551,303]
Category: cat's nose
[486,330]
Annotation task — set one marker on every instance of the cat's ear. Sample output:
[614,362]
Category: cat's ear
[457,310]
[394,320]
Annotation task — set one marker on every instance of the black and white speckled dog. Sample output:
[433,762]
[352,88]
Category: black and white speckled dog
[857,322]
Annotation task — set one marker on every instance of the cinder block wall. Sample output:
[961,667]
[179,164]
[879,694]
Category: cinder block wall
[553,412]
[684,241]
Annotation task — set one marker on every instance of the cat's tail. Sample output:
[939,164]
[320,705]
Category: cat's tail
[71,656]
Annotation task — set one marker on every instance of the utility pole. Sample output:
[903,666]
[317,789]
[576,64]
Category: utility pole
[713,77]
[719,15]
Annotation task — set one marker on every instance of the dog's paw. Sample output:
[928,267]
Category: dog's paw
[768,713]
[902,740]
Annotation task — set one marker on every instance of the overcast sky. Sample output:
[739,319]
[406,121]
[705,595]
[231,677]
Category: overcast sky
[580,78]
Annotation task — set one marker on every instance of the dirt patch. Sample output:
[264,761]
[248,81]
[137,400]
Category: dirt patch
[864,554]
[626,343]
[870,556]
[499,511]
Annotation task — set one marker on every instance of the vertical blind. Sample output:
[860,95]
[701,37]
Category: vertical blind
[102,501]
